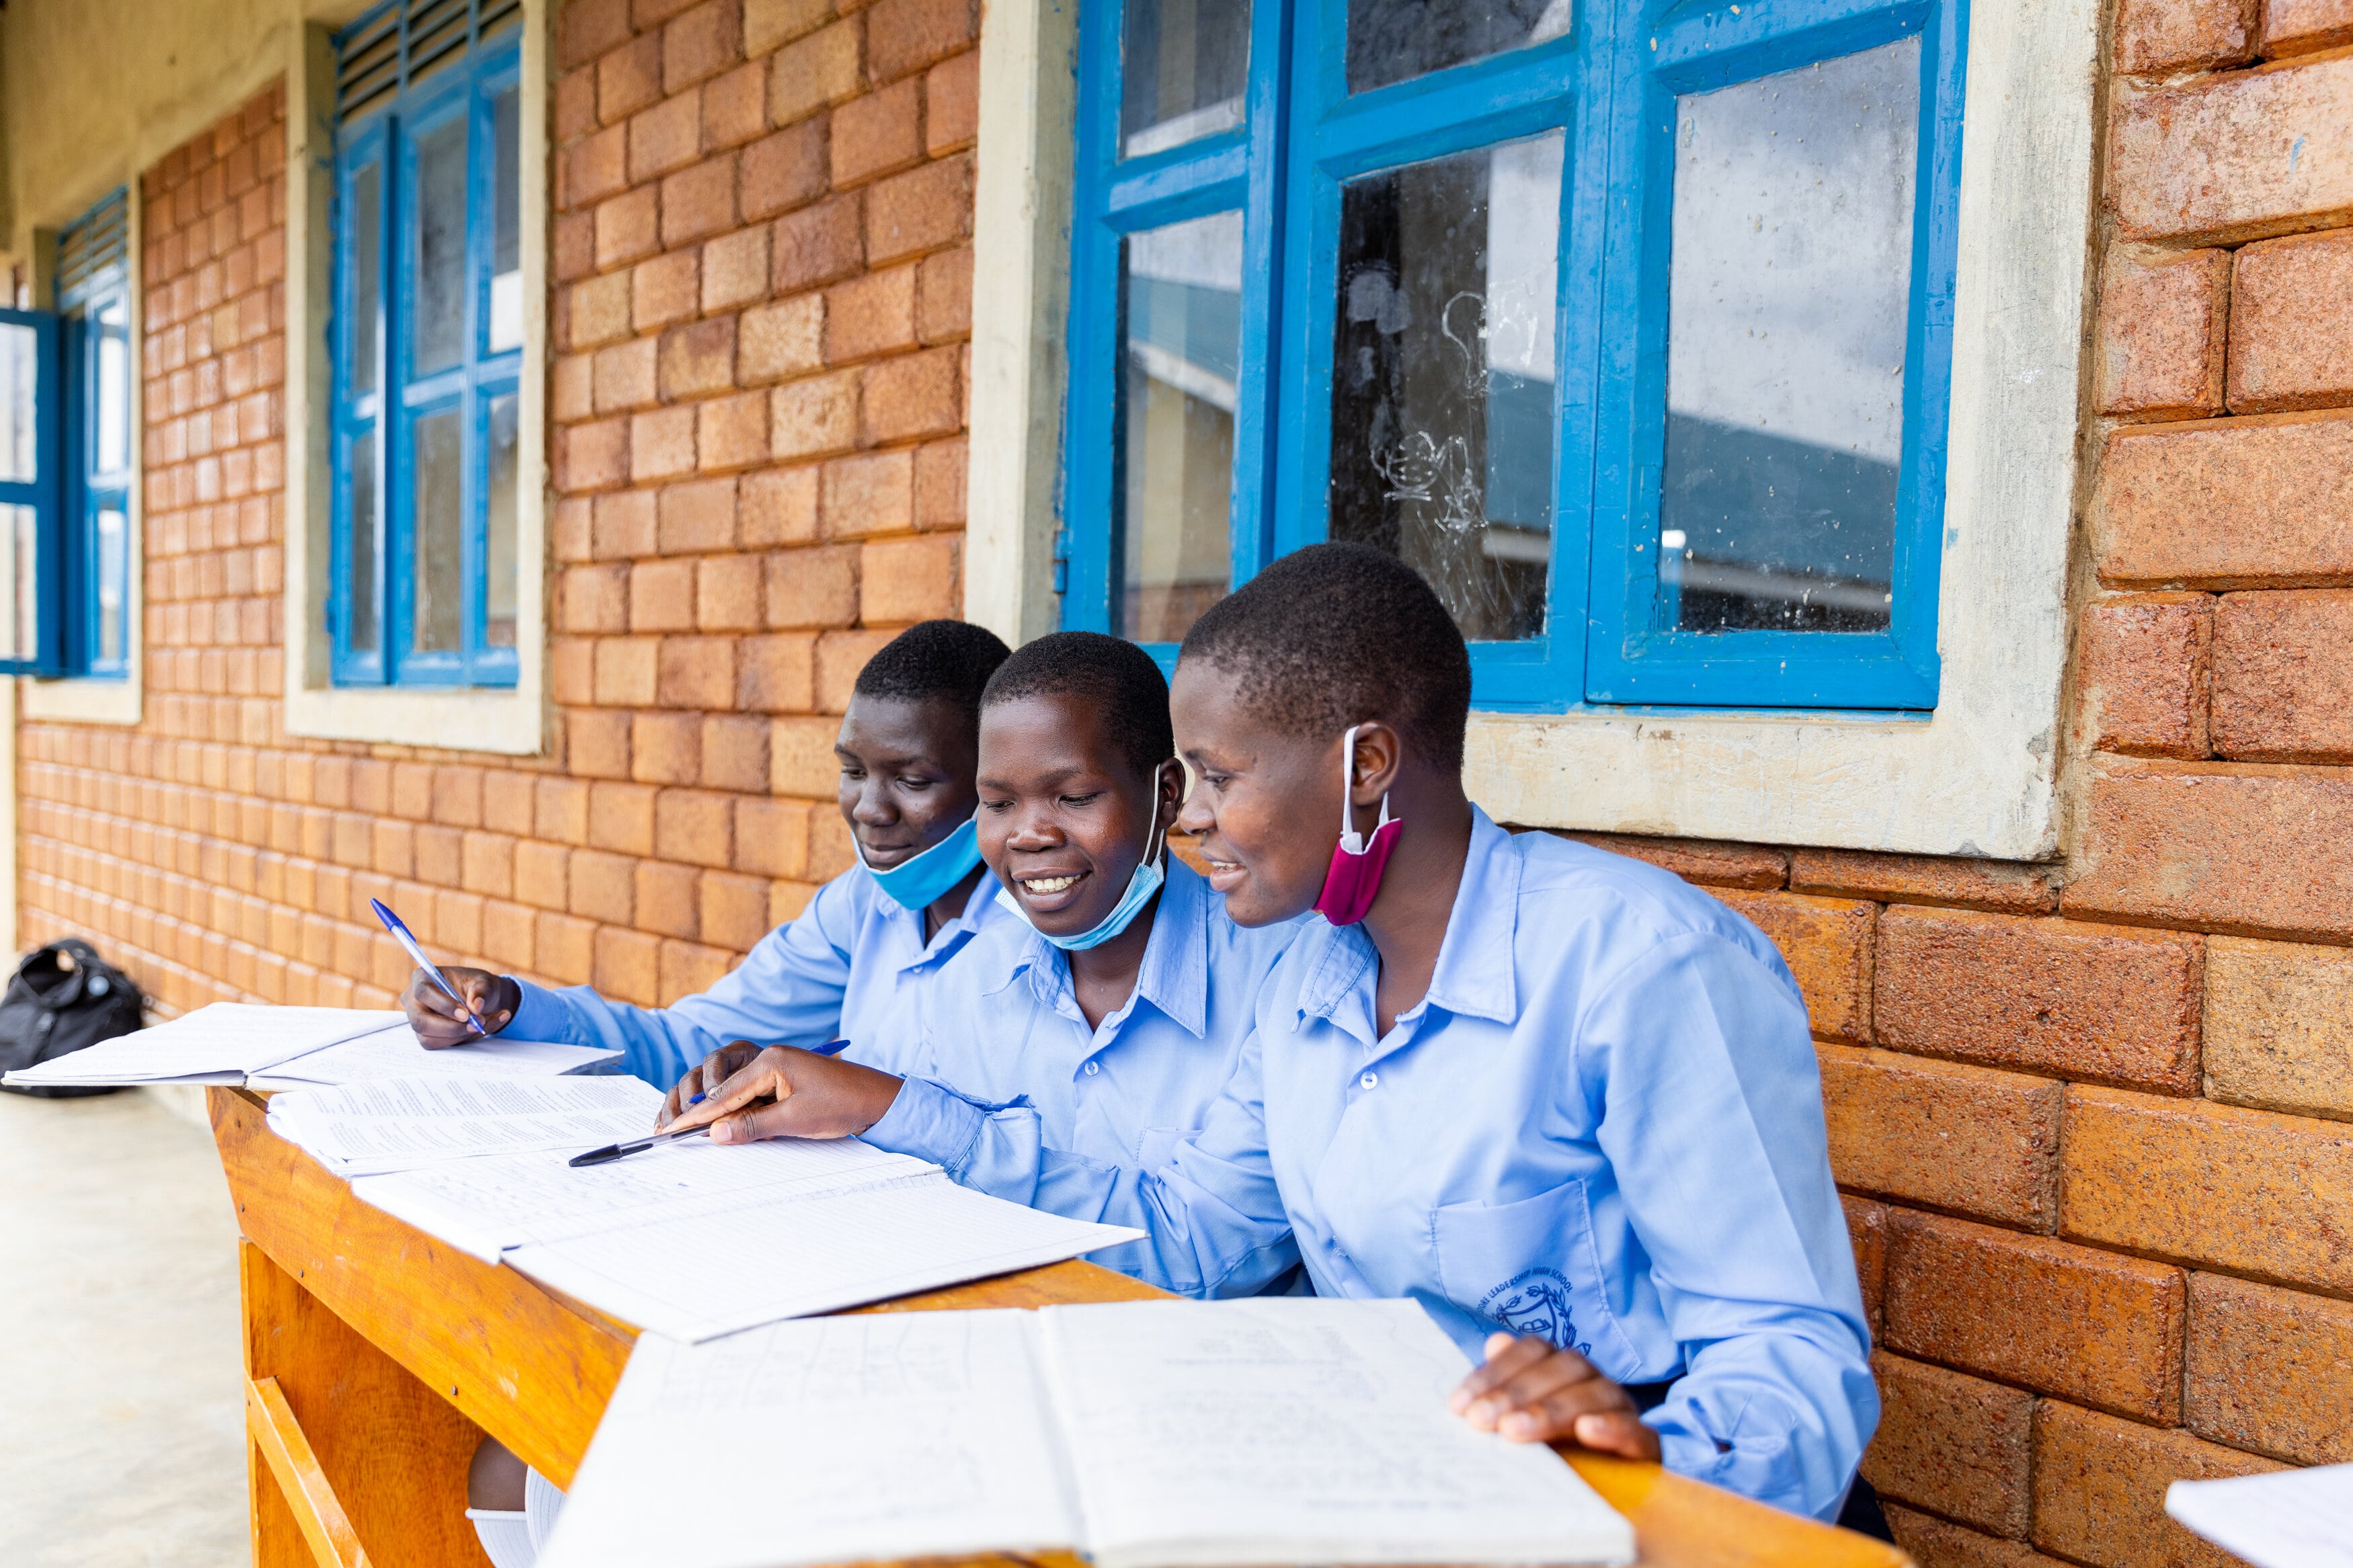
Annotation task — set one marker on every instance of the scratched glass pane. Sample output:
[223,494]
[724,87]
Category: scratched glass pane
[438,328]
[1397,40]
[1184,66]
[1790,293]
[1180,349]
[1442,408]
[110,325]
[500,564]
[367,244]
[438,623]
[506,223]
[19,527]
[20,360]
[113,580]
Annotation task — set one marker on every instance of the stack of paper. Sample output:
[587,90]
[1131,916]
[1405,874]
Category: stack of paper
[263,1046]
[396,1125]
[1147,1435]
[2287,1519]
[690,1239]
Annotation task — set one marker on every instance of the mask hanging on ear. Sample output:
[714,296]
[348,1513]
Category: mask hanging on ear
[1142,884]
[919,880]
[1354,878]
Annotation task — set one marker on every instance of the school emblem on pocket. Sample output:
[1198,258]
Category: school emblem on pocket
[1536,1302]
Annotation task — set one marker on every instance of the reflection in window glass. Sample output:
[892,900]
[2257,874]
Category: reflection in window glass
[500,565]
[437,528]
[506,249]
[113,581]
[1185,64]
[111,325]
[20,389]
[367,293]
[1395,41]
[438,328]
[1442,423]
[365,544]
[1180,345]
[1790,283]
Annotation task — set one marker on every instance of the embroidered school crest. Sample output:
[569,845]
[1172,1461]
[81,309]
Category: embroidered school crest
[1536,1302]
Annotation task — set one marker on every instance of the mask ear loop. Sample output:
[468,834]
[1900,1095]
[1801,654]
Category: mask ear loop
[1350,839]
[1161,856]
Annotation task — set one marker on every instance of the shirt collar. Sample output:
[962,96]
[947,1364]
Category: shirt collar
[1175,976]
[952,935]
[1474,976]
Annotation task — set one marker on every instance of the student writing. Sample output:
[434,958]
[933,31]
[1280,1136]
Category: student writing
[1563,1099]
[1106,1021]
[865,940]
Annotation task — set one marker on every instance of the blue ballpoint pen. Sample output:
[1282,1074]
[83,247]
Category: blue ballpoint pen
[639,1145]
[407,939]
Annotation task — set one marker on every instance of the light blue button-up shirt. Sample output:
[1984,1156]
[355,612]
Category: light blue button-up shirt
[1603,1124]
[1010,1091]
[844,966]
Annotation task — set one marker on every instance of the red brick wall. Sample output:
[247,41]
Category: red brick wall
[2095,1119]
[761,274]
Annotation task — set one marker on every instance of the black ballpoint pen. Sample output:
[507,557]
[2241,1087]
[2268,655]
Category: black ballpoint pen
[611,1151]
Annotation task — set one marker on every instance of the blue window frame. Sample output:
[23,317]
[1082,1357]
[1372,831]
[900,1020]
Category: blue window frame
[1629,326]
[428,344]
[94,563]
[32,639]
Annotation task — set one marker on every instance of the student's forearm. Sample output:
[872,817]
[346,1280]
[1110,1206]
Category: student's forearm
[1781,1416]
[655,1044]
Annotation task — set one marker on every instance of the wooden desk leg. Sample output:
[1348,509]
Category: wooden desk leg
[394,1451]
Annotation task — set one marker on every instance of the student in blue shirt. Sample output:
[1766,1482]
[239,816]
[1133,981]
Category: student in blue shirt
[1562,1099]
[1104,1023]
[868,938]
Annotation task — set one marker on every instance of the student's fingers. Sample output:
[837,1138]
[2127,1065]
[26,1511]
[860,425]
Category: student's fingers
[1555,1412]
[783,1119]
[1507,1357]
[1532,1385]
[480,991]
[764,1077]
[438,1021]
[1619,1432]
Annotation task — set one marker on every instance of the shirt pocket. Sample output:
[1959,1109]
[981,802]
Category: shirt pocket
[1531,1268]
[1154,1145]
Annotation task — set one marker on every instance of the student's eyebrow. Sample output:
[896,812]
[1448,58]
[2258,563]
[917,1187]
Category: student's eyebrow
[1052,780]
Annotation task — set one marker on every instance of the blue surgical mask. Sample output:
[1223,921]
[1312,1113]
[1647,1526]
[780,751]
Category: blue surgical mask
[1144,882]
[918,881]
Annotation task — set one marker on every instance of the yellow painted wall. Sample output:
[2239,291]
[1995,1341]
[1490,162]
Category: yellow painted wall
[92,91]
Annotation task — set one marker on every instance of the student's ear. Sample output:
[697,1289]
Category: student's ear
[1380,756]
[1172,781]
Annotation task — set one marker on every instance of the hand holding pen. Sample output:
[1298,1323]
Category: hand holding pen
[448,1007]
[685,1094]
[749,1093]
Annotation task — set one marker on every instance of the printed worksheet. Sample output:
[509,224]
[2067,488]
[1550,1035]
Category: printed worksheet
[396,1125]
[220,1044]
[395,1052]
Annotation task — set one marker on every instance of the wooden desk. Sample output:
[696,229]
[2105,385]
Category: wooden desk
[376,1358]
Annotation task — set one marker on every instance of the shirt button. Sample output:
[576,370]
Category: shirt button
[1093,1067]
[1370,1079]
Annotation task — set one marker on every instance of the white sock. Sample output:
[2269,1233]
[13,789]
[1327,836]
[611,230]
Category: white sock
[505,1537]
[542,1501]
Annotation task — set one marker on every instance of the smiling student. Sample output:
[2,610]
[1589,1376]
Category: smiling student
[1104,1023]
[867,939]
[1565,1101]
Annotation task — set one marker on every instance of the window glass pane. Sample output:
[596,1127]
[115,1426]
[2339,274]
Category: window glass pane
[365,543]
[506,254]
[1180,344]
[20,357]
[1394,40]
[1442,408]
[18,527]
[1791,287]
[1186,64]
[500,556]
[112,327]
[366,262]
[437,329]
[439,534]
[113,572]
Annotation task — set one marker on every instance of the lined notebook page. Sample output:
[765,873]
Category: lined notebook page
[487,1205]
[1287,1431]
[839,1440]
[220,1043]
[711,1273]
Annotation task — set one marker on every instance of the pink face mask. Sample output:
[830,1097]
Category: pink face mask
[1354,878]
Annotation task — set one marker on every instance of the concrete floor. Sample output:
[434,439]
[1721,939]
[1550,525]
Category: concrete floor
[122,1419]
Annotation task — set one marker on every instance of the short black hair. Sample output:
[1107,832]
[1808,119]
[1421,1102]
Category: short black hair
[1115,675]
[1336,634]
[935,661]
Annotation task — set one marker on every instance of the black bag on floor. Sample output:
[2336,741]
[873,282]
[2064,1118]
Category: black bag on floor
[61,998]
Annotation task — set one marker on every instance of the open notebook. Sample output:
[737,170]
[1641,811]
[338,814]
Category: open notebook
[1147,1435]
[263,1046]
